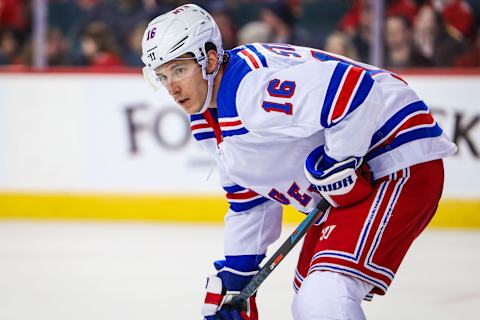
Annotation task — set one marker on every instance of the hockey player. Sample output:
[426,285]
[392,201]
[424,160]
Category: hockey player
[288,125]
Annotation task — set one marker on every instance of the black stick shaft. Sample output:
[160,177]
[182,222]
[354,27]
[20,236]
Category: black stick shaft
[240,301]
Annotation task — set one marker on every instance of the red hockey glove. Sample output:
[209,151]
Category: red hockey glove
[342,183]
[226,284]
[217,299]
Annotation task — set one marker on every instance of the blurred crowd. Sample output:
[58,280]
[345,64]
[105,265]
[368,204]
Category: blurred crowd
[101,33]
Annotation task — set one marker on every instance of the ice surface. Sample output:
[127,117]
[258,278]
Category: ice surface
[101,271]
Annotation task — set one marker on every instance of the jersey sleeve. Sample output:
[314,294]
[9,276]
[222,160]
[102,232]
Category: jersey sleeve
[247,236]
[250,232]
[252,223]
[300,100]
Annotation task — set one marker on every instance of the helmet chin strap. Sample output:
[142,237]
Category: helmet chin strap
[208,98]
[211,80]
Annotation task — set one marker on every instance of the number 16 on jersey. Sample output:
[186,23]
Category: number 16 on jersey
[280,89]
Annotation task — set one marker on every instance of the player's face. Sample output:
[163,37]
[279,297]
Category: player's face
[184,81]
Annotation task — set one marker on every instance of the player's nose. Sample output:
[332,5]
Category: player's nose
[173,88]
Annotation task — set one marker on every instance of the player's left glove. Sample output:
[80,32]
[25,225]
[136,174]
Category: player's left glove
[221,289]
[342,183]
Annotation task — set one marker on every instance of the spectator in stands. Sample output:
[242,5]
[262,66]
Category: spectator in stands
[56,49]
[352,18]
[255,31]
[226,23]
[283,28]
[14,15]
[87,12]
[362,37]
[9,46]
[471,58]
[434,41]
[357,21]
[134,51]
[98,47]
[341,43]
[458,15]
[122,16]
[126,16]
[399,49]
[14,29]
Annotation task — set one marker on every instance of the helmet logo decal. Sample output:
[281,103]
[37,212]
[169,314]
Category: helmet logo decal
[180,9]
[151,33]
[151,55]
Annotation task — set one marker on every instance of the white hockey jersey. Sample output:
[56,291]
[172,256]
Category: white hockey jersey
[278,102]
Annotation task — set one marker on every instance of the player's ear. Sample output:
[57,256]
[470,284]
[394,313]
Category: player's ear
[212,60]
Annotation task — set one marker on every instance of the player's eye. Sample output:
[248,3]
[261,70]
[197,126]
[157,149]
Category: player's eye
[162,78]
[179,70]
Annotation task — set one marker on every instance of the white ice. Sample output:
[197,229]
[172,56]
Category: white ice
[102,271]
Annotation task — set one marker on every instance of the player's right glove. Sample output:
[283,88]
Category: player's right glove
[342,183]
[222,288]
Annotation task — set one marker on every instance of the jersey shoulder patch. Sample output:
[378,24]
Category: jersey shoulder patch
[242,60]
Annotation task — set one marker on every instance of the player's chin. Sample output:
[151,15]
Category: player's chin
[190,108]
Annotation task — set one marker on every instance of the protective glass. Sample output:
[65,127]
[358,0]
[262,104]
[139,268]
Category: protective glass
[171,72]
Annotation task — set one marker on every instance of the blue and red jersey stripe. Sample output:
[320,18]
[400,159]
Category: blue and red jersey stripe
[347,90]
[413,122]
[242,199]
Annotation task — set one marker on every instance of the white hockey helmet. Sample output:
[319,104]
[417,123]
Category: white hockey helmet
[186,29]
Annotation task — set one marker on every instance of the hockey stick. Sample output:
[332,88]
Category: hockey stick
[240,301]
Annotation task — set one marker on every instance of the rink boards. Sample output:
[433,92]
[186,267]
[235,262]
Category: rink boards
[451,213]
[103,146]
